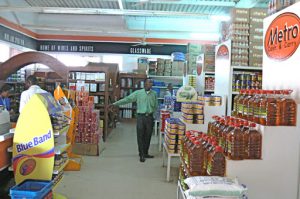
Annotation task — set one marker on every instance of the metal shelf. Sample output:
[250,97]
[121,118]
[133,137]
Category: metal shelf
[56,171]
[61,148]
[248,68]
[62,131]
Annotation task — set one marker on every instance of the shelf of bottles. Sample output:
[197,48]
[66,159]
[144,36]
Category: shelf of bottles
[246,80]
[266,107]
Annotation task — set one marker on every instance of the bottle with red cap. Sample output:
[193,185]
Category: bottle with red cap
[240,100]
[183,143]
[235,140]
[216,162]
[256,106]
[289,109]
[211,124]
[272,99]
[253,140]
[225,134]
[215,126]
[196,159]
[263,108]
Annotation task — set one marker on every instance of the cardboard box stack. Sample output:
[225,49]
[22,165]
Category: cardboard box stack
[168,67]
[143,65]
[178,68]
[209,58]
[152,67]
[87,127]
[256,36]
[239,34]
[193,51]
[160,67]
[174,132]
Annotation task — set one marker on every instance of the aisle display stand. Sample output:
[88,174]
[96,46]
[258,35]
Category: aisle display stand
[224,73]
[34,141]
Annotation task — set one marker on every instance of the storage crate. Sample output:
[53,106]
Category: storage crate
[32,189]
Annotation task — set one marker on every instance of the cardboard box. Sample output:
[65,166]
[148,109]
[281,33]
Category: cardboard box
[256,30]
[240,15]
[86,149]
[255,63]
[256,38]
[256,46]
[258,13]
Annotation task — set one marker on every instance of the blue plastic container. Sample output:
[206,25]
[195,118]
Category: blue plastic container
[31,189]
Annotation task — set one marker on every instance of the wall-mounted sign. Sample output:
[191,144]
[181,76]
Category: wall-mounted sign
[282,37]
[17,38]
[200,63]
[223,52]
[140,50]
[108,47]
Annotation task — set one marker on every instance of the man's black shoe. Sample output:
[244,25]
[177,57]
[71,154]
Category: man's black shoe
[142,158]
[149,156]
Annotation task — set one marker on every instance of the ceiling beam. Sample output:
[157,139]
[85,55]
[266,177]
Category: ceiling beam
[120,5]
[97,11]
[189,2]
[249,3]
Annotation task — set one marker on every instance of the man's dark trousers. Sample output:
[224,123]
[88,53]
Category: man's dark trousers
[144,129]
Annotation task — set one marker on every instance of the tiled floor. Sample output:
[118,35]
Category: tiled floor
[118,174]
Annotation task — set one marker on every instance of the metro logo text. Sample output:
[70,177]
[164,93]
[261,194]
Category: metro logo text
[282,37]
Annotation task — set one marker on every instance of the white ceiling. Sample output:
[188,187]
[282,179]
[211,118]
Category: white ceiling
[173,19]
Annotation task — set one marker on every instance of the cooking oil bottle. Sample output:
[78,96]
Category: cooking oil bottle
[254,143]
[289,108]
[235,139]
[216,162]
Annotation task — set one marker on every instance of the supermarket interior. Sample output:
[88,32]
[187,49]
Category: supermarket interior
[185,99]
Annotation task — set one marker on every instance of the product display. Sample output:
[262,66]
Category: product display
[209,83]
[246,80]
[210,100]
[277,5]
[238,138]
[193,113]
[266,107]
[174,132]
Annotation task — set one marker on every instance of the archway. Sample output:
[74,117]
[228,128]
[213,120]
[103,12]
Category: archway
[19,61]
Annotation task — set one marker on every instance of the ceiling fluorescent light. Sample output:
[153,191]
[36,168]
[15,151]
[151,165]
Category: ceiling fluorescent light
[220,18]
[205,36]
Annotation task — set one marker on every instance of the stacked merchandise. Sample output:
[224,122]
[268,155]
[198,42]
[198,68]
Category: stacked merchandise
[59,161]
[193,113]
[126,111]
[59,121]
[19,76]
[238,138]
[210,83]
[143,65]
[192,80]
[266,107]
[201,156]
[164,114]
[193,51]
[239,35]
[168,67]
[152,67]
[256,36]
[178,63]
[210,100]
[246,80]
[171,104]
[174,132]
[87,129]
[277,5]
[160,67]
[209,58]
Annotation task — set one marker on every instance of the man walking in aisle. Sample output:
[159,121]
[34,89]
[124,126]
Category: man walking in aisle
[32,88]
[146,105]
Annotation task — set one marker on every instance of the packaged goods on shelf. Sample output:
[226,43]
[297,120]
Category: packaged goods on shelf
[164,114]
[277,5]
[177,68]
[143,65]
[174,132]
[192,80]
[246,80]
[266,107]
[200,155]
[215,187]
[193,113]
[210,100]
[238,138]
[209,83]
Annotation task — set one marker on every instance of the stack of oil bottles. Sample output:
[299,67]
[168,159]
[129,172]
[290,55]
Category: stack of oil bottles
[205,154]
[266,107]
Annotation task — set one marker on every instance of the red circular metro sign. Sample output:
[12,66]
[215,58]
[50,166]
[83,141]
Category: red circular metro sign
[282,37]
[223,52]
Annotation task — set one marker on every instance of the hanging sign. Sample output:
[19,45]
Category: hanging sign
[33,143]
[282,37]
[223,52]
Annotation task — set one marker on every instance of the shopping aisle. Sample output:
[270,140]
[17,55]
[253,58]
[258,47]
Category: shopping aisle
[117,172]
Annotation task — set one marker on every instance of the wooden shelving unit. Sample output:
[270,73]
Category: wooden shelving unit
[128,83]
[110,93]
